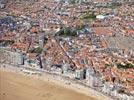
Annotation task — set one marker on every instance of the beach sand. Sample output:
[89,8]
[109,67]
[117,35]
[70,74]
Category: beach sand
[15,86]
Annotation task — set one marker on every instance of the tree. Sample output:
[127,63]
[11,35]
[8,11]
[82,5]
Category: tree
[72,1]
[66,31]
[37,50]
[126,66]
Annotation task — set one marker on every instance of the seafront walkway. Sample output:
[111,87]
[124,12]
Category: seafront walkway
[58,79]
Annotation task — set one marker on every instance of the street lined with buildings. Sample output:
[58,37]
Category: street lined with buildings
[90,41]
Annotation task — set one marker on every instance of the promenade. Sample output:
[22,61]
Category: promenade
[57,79]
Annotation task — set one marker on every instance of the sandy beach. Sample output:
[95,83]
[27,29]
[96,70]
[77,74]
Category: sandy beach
[15,86]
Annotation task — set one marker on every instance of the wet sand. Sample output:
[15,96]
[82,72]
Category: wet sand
[19,87]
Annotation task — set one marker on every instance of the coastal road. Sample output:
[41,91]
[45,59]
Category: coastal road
[15,86]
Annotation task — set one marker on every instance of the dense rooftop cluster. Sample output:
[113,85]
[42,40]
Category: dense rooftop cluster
[78,34]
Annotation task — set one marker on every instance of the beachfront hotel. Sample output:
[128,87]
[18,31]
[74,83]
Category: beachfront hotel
[83,45]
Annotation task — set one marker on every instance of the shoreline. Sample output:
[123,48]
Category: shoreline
[60,81]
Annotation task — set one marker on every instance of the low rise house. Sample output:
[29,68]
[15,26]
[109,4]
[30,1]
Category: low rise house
[103,31]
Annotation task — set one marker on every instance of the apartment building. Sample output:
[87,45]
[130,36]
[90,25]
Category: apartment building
[11,57]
